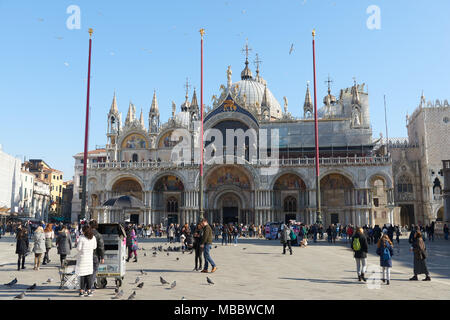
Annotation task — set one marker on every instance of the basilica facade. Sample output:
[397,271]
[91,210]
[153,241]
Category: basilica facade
[355,175]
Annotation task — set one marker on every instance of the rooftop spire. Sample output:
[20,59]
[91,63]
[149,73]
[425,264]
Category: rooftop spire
[154,108]
[307,106]
[130,117]
[141,120]
[114,108]
[265,101]
[194,103]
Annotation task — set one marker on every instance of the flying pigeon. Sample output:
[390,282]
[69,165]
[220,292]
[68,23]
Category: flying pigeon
[118,295]
[292,48]
[11,283]
[173,285]
[140,285]
[209,280]
[32,287]
[137,280]
[20,296]
[162,280]
[132,296]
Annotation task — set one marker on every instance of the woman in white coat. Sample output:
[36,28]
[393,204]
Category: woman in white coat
[85,266]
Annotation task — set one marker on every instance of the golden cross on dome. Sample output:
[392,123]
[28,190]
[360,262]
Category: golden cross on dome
[246,49]
[187,86]
[257,61]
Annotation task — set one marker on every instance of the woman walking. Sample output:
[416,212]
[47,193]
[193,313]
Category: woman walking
[360,248]
[420,255]
[39,246]
[49,236]
[64,244]
[22,245]
[197,247]
[132,244]
[385,251]
[85,260]
[224,234]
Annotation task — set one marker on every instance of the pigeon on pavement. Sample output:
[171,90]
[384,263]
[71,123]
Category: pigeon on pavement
[118,295]
[178,258]
[20,296]
[140,285]
[116,290]
[162,280]
[145,254]
[49,280]
[32,287]
[137,280]
[173,285]
[10,284]
[143,272]
[167,253]
[132,296]
[209,280]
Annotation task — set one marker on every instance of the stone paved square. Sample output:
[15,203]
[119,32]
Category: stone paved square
[255,269]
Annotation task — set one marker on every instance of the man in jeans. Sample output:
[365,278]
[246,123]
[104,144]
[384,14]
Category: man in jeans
[99,253]
[206,245]
[360,249]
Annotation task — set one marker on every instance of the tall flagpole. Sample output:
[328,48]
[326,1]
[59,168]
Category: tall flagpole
[316,128]
[86,132]
[202,32]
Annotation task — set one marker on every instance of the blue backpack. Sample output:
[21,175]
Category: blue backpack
[386,254]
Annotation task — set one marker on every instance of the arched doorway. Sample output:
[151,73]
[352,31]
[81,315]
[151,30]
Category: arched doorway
[336,194]
[127,186]
[440,214]
[290,197]
[229,192]
[168,199]
[406,214]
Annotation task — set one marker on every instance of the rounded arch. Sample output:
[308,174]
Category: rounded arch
[159,179]
[223,193]
[285,173]
[336,190]
[165,135]
[136,139]
[341,172]
[131,176]
[235,116]
[235,175]
[379,175]
[440,214]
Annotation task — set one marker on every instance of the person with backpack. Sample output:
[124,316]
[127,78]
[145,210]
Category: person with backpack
[360,248]
[286,238]
[385,251]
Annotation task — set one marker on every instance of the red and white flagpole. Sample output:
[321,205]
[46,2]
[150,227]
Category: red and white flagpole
[316,129]
[201,210]
[86,132]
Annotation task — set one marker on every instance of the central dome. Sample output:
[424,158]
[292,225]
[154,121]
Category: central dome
[254,92]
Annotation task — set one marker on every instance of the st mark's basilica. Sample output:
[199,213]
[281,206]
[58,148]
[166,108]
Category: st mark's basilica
[355,170]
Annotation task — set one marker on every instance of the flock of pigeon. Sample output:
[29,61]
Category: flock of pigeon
[118,293]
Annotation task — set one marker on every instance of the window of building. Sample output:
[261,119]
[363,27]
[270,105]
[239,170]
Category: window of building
[46,176]
[404,185]
[376,202]
[135,157]
[26,178]
[60,177]
[290,204]
[172,205]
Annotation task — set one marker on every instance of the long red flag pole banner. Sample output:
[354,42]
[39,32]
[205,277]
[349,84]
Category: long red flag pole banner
[316,128]
[86,132]
[201,213]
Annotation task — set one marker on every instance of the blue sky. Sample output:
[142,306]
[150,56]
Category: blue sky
[141,46]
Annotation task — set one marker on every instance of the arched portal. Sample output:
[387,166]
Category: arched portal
[228,195]
[127,186]
[336,194]
[440,214]
[168,198]
[290,197]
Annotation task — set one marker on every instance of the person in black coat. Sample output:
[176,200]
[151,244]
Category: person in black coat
[22,245]
[359,246]
[197,247]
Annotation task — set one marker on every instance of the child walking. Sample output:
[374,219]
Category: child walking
[385,251]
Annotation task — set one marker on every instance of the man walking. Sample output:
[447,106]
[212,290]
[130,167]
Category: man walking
[206,245]
[99,252]
[286,238]
[360,249]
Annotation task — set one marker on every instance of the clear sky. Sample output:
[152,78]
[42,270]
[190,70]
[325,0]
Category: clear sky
[141,46]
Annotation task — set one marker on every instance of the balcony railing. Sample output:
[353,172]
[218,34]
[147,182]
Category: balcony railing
[336,161]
